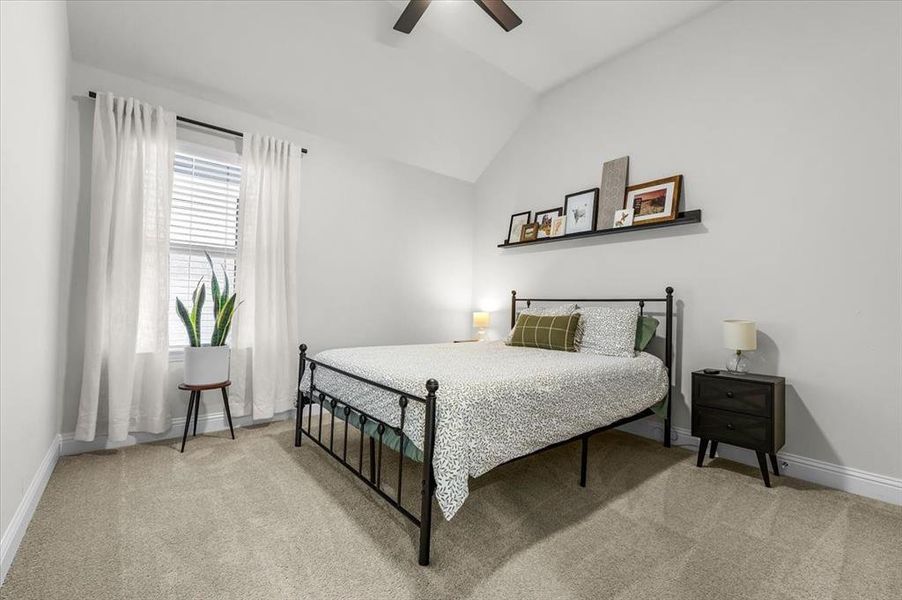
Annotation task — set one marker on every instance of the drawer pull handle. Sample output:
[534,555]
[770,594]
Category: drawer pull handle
[731,427]
[729,394]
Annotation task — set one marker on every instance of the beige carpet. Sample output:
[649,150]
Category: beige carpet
[258,518]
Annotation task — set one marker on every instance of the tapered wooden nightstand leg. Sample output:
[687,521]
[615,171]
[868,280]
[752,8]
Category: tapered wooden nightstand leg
[774,464]
[713,449]
[702,446]
[762,462]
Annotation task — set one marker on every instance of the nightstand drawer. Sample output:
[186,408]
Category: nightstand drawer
[732,428]
[742,396]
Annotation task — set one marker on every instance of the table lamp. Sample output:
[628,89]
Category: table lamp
[739,335]
[481,321]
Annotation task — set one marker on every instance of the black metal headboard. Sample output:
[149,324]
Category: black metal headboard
[667,300]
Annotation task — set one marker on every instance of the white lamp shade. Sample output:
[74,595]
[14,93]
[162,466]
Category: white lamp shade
[481,320]
[740,335]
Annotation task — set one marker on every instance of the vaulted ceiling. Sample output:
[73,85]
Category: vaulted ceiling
[446,97]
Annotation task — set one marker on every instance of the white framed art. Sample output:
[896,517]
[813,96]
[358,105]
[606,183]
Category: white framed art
[623,218]
[580,209]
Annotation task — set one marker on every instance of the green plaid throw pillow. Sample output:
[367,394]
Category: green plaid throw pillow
[550,333]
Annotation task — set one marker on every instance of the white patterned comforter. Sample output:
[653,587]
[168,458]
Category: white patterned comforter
[495,402]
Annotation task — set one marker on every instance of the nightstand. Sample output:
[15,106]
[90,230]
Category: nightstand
[742,409]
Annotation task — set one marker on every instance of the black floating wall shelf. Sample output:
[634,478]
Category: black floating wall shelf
[684,218]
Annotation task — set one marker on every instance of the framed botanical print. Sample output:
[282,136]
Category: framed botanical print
[623,218]
[517,222]
[545,219]
[580,209]
[654,201]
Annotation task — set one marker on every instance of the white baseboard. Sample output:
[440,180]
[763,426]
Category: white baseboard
[15,531]
[206,423]
[855,481]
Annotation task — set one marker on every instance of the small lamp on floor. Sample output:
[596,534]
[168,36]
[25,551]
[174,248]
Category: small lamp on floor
[481,321]
[739,335]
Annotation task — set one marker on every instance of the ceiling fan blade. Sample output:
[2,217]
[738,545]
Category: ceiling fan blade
[501,12]
[412,13]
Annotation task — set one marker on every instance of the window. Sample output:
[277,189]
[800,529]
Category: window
[205,191]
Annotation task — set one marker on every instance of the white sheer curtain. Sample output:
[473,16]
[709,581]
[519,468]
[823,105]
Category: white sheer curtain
[127,336]
[264,348]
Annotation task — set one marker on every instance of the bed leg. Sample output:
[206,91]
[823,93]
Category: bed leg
[302,364]
[584,461]
[668,362]
[428,481]
[297,420]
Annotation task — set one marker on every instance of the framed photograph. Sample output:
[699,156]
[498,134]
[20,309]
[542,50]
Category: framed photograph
[580,208]
[544,219]
[655,201]
[623,218]
[530,231]
[517,222]
[558,225]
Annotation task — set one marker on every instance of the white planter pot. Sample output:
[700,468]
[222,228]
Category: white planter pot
[206,365]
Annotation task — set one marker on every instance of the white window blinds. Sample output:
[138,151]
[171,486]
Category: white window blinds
[204,218]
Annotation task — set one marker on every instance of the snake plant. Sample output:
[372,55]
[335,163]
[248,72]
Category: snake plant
[224,307]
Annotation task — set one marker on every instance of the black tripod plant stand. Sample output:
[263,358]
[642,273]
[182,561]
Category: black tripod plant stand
[194,405]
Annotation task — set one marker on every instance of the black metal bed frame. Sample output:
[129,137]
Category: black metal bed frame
[338,407]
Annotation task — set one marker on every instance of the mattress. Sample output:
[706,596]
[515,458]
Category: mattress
[495,402]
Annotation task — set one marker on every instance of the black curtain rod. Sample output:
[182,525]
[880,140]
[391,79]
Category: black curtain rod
[204,125]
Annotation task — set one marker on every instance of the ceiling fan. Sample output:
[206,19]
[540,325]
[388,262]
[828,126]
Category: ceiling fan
[497,9]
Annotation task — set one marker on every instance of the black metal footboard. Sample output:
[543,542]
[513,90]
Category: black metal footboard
[372,476]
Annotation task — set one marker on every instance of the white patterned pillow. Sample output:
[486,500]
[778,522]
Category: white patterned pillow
[607,330]
[550,311]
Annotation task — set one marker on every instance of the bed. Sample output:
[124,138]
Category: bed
[485,404]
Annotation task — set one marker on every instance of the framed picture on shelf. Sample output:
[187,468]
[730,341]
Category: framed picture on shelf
[544,219]
[517,222]
[654,201]
[623,218]
[558,226]
[530,231]
[580,209]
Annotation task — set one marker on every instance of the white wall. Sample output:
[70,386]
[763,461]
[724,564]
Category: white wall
[785,120]
[386,248]
[32,143]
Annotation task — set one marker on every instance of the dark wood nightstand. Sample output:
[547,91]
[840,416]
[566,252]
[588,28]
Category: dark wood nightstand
[742,409]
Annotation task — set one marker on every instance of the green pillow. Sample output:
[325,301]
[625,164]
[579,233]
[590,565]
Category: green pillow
[550,333]
[645,331]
